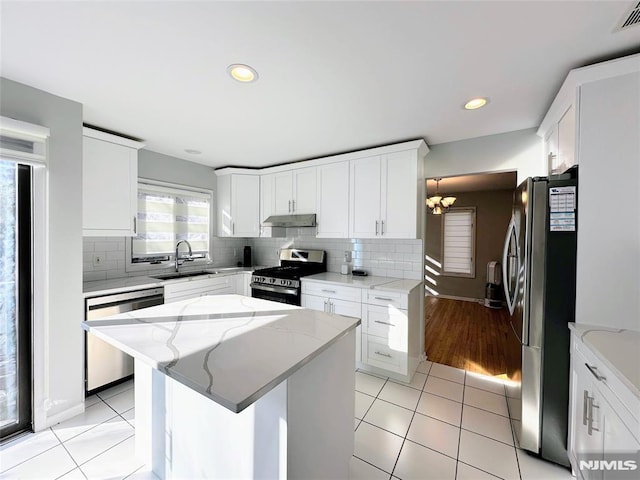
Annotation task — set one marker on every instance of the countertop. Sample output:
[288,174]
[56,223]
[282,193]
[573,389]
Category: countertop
[216,344]
[127,284]
[618,349]
[381,283]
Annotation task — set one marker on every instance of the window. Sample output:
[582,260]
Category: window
[458,242]
[167,214]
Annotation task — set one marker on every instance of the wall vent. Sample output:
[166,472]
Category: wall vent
[631,19]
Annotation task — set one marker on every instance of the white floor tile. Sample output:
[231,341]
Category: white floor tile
[144,473]
[447,373]
[356,422]
[55,462]
[440,408]
[91,400]
[122,401]
[515,428]
[122,387]
[487,424]
[368,384]
[119,461]
[416,382]
[486,400]
[444,388]
[488,455]
[377,446]
[467,472]
[533,468]
[26,447]
[420,463]
[406,397]
[515,408]
[363,402]
[92,416]
[424,367]
[75,474]
[130,416]
[95,441]
[359,470]
[485,382]
[434,434]
[389,417]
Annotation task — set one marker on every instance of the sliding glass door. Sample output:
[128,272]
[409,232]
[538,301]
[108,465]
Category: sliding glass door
[15,298]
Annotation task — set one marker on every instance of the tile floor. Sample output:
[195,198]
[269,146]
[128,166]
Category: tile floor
[447,424]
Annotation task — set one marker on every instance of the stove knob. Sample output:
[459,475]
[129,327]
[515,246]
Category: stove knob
[272,280]
[289,283]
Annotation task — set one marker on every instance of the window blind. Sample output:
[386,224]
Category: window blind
[167,215]
[458,242]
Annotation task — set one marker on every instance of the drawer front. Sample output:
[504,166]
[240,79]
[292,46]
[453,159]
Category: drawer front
[385,298]
[195,288]
[339,292]
[341,307]
[389,323]
[377,352]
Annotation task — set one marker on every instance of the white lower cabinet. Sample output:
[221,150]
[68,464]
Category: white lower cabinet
[388,340]
[193,288]
[604,416]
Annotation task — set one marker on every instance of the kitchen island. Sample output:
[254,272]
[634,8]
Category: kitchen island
[236,387]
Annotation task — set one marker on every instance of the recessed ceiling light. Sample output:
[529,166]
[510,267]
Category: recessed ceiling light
[242,73]
[476,103]
[192,151]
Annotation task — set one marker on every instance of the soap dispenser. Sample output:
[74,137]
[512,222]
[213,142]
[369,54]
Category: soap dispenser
[345,268]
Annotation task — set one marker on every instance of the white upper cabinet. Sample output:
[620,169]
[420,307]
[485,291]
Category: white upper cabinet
[383,196]
[267,206]
[560,143]
[238,205]
[333,200]
[109,184]
[295,191]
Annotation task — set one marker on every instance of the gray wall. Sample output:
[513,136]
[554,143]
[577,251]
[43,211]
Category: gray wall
[64,338]
[157,166]
[493,212]
[519,151]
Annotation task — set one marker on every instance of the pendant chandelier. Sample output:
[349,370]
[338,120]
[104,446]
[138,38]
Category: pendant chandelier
[437,203]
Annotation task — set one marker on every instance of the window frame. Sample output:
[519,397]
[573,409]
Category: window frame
[472,273]
[131,266]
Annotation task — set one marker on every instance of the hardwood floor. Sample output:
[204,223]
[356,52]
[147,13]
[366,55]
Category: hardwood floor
[467,335]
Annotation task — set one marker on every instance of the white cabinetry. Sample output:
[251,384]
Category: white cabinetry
[334,299]
[243,283]
[333,200]
[295,191]
[383,196]
[109,184]
[391,332]
[267,207]
[238,205]
[192,288]
[604,415]
[560,142]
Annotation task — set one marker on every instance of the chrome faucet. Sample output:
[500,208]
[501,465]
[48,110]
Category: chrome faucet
[176,257]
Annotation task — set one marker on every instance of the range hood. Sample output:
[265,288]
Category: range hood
[307,220]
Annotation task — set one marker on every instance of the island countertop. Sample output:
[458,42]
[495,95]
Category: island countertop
[230,348]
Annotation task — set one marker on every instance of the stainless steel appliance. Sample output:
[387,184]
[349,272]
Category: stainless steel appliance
[282,284]
[106,365]
[539,278]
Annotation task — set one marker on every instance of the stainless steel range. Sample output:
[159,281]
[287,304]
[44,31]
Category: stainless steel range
[282,284]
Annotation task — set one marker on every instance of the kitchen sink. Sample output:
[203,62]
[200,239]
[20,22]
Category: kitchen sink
[176,275]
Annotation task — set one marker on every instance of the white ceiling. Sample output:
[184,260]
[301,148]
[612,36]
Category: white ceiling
[334,76]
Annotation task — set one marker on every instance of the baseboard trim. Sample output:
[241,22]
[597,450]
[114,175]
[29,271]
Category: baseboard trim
[65,415]
[453,297]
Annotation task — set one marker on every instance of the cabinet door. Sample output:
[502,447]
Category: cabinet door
[617,439]
[314,303]
[364,198]
[223,197]
[399,195]
[333,200]
[304,191]
[267,207]
[551,150]
[245,205]
[109,188]
[566,140]
[283,193]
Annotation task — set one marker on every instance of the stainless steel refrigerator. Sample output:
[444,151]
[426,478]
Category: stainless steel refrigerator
[539,272]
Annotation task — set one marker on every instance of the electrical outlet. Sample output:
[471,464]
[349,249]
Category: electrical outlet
[97,259]
[347,256]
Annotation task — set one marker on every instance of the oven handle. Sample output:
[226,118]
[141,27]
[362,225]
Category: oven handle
[276,289]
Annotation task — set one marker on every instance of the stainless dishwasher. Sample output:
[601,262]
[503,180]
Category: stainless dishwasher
[106,365]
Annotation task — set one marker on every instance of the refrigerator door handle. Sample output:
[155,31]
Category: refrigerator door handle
[510,266]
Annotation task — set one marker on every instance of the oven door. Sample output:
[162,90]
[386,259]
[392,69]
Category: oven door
[275,293]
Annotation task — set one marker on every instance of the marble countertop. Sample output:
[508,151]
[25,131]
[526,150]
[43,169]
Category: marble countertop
[381,283]
[127,284]
[619,349]
[230,348]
